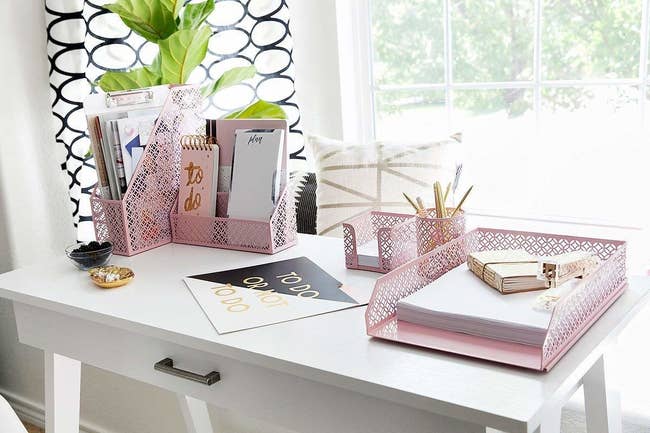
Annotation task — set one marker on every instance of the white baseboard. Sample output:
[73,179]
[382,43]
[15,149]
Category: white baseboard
[34,413]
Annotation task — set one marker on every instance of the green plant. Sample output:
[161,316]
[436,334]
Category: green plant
[182,40]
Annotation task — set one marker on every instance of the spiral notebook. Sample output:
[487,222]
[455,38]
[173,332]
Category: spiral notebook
[197,194]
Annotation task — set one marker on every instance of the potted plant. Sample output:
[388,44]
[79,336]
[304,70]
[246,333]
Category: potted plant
[182,38]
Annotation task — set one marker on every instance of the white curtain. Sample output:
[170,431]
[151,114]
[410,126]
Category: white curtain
[35,218]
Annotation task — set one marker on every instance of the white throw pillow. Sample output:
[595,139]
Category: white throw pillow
[353,179]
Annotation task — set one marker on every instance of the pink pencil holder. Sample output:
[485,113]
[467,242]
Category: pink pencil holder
[431,232]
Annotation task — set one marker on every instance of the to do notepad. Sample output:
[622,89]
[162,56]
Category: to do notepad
[199,177]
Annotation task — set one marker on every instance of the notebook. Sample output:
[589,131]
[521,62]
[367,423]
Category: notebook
[197,194]
[257,173]
[508,271]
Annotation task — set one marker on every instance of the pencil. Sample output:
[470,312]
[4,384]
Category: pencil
[440,204]
[411,202]
[462,200]
[444,198]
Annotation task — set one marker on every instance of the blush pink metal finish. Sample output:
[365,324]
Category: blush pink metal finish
[268,237]
[571,317]
[140,221]
[393,232]
[399,237]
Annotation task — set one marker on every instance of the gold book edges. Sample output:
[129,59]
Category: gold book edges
[512,271]
[508,271]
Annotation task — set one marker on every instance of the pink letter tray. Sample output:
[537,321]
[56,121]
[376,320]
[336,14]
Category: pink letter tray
[571,317]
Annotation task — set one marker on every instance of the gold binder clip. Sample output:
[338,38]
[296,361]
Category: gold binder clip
[561,268]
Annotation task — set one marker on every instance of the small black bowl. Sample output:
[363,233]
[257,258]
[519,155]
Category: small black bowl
[85,260]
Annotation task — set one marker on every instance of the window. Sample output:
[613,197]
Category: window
[551,97]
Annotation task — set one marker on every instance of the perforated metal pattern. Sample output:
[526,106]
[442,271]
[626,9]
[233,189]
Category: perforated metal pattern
[140,221]
[378,225]
[432,232]
[235,234]
[400,237]
[572,315]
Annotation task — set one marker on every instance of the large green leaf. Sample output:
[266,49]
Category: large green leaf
[259,110]
[156,64]
[196,13]
[148,18]
[172,5]
[181,53]
[229,78]
[134,79]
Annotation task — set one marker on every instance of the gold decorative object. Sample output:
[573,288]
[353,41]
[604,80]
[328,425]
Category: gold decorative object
[110,277]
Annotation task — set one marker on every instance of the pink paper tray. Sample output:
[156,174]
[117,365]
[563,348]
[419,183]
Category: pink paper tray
[571,318]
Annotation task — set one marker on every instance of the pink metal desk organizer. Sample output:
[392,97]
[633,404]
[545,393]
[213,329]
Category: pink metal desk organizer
[268,237]
[399,237]
[140,221]
[571,317]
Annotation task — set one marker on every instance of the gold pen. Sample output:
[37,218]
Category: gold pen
[411,202]
[462,200]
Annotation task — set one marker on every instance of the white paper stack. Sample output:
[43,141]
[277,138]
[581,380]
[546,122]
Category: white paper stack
[460,302]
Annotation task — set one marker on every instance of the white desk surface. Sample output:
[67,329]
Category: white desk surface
[331,348]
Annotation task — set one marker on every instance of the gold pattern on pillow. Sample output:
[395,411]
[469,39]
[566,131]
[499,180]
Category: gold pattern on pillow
[353,179]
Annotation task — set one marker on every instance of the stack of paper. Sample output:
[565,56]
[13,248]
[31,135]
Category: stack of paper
[460,302]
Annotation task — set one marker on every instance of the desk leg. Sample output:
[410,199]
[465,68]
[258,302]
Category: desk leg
[195,414]
[602,404]
[62,387]
[551,422]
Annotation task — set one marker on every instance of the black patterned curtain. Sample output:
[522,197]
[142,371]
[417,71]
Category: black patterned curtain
[84,40]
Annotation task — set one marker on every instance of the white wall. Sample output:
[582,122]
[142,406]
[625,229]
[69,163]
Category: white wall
[109,403]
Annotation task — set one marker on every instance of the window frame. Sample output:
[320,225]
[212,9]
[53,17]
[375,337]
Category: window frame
[358,87]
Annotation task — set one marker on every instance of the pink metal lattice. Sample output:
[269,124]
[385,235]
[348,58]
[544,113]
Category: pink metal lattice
[399,237]
[393,233]
[236,234]
[571,317]
[140,221]
[431,232]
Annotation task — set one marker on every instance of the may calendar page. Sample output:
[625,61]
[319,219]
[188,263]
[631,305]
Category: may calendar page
[270,293]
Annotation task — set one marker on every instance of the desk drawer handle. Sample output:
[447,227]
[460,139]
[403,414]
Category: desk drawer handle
[167,366]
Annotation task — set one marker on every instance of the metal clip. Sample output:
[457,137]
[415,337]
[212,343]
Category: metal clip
[129,97]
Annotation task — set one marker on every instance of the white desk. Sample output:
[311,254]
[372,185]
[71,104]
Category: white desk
[315,375]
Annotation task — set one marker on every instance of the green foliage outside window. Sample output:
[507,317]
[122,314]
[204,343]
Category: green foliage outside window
[494,41]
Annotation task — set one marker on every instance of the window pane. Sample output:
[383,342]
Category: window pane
[590,39]
[497,126]
[410,115]
[592,155]
[492,42]
[407,41]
